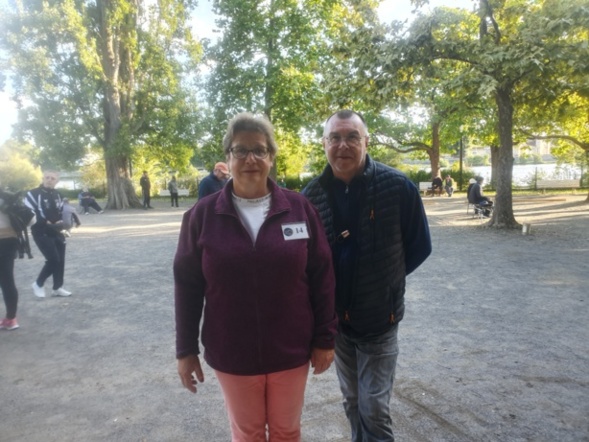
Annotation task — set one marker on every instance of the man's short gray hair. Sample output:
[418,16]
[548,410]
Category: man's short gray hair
[344,114]
[248,122]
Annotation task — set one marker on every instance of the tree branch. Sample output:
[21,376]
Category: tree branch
[573,140]
[489,14]
[399,146]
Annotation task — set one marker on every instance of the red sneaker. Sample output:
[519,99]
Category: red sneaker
[9,324]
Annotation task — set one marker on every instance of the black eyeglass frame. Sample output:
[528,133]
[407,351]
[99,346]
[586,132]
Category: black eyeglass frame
[351,140]
[258,153]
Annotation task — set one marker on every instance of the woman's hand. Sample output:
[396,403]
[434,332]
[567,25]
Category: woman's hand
[190,372]
[321,359]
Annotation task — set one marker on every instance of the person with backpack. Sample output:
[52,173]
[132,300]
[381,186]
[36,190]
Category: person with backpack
[14,218]
[47,204]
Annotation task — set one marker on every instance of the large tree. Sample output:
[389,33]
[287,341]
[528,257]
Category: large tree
[422,106]
[269,57]
[506,50]
[519,47]
[562,116]
[108,73]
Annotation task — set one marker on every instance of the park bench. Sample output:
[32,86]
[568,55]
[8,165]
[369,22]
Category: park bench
[557,184]
[426,188]
[166,192]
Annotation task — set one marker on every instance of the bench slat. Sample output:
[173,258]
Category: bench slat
[166,192]
[557,184]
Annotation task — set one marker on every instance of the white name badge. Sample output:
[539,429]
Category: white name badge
[295,231]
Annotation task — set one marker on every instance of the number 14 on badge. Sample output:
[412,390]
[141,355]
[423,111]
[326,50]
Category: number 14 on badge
[295,231]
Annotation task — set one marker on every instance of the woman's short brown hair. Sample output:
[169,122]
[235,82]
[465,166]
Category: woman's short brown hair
[248,122]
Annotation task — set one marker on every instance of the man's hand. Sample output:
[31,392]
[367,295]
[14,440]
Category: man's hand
[321,359]
[190,372]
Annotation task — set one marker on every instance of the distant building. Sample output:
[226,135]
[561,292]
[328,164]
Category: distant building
[70,180]
[543,148]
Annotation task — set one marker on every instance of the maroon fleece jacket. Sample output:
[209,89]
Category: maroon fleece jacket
[265,304]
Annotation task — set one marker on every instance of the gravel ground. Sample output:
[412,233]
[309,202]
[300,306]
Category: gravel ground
[494,344]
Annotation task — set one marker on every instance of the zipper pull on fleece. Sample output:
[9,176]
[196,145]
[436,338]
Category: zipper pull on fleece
[346,316]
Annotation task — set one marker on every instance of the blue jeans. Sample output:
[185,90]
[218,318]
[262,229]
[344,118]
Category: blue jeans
[366,370]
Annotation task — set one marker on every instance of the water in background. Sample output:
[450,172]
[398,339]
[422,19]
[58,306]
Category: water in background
[523,174]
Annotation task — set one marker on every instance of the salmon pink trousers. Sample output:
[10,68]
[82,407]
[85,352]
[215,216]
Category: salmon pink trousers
[274,400]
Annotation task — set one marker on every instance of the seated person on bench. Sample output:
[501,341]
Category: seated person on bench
[87,200]
[449,185]
[437,186]
[475,196]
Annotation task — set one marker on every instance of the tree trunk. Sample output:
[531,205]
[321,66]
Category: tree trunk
[503,214]
[434,152]
[120,191]
[494,165]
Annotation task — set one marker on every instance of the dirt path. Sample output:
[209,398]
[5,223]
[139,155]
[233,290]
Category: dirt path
[494,345]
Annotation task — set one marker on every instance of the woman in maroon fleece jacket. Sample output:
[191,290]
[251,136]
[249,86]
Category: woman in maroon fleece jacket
[257,254]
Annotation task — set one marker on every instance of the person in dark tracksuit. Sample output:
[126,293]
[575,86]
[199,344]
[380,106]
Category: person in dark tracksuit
[47,204]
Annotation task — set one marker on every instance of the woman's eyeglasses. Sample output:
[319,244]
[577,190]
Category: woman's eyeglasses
[241,153]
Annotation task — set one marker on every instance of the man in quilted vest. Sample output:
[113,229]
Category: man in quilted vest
[378,232]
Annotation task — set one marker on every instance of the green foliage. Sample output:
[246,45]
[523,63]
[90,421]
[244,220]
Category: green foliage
[478,160]
[317,159]
[269,59]
[106,74]
[529,158]
[99,192]
[294,182]
[17,172]
[454,172]
[418,176]
[293,154]
[385,155]
[93,171]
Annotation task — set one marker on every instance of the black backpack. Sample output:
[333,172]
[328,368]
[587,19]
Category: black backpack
[20,216]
